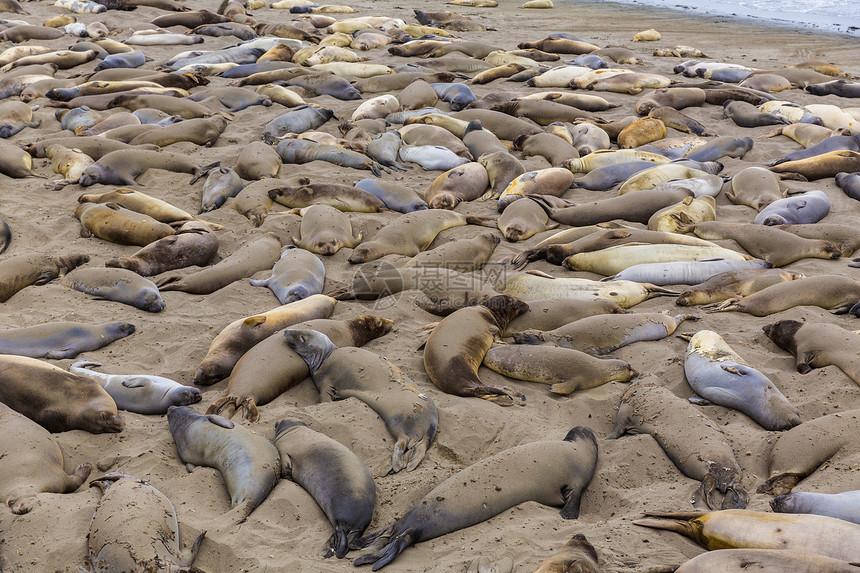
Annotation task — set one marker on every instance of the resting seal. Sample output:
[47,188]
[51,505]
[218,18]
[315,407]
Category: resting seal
[845,505]
[122,167]
[765,559]
[341,373]
[733,284]
[297,275]
[559,471]
[20,271]
[816,345]
[809,207]
[193,244]
[117,224]
[576,555]
[119,285]
[325,230]
[837,293]
[335,477]
[57,340]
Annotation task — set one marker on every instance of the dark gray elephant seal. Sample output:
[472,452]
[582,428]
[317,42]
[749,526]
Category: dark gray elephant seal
[720,375]
[119,285]
[333,475]
[193,244]
[557,475]
[816,345]
[141,393]
[848,182]
[34,463]
[396,197]
[249,464]
[745,114]
[58,340]
[298,274]
[809,207]
[118,545]
[20,271]
[5,235]
[340,373]
[59,401]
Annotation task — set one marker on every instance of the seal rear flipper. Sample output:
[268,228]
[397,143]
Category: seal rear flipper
[779,484]
[573,498]
[386,555]
[21,504]
[736,497]
[225,406]
[501,395]
[483,564]
[337,544]
[77,478]
[203,171]
[188,556]
[482,221]
[249,407]
[678,525]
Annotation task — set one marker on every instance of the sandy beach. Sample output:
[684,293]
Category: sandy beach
[286,532]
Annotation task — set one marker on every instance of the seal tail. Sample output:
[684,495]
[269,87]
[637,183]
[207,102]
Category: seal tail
[677,522]
[654,290]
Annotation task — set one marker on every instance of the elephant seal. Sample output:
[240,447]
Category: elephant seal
[140,393]
[613,260]
[733,528]
[193,244]
[564,369]
[693,442]
[548,314]
[298,274]
[577,554]
[396,197]
[602,334]
[765,242]
[684,272]
[241,335]
[562,469]
[756,187]
[634,207]
[339,196]
[463,255]
[765,560]
[38,463]
[16,162]
[456,348]
[524,219]
[845,505]
[333,475]
[462,183]
[325,230]
[256,255]
[119,285]
[502,168]
[718,374]
[840,87]
[816,345]
[551,147]
[5,235]
[118,546]
[117,224]
[15,116]
[199,131]
[412,233]
[821,166]
[122,167]
[849,183]
[530,286]
[270,367]
[58,340]
[258,161]
[339,373]
[745,114]
[641,132]
[554,181]
[837,293]
[20,271]
[733,284]
[55,399]
[809,207]
[142,203]
[676,98]
[249,464]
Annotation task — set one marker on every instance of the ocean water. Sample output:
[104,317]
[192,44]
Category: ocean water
[830,16]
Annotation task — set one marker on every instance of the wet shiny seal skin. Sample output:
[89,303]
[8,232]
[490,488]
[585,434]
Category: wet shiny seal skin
[249,464]
[58,340]
[57,400]
[34,463]
[457,346]
[334,476]
[341,373]
[551,472]
[818,344]
[20,271]
[117,545]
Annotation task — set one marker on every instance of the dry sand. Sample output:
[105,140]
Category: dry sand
[287,531]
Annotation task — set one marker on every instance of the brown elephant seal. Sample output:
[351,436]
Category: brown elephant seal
[16,162]
[411,233]
[765,242]
[339,196]
[334,476]
[418,134]
[456,348]
[843,236]
[765,560]
[258,161]
[576,555]
[463,255]
[142,203]
[676,98]
[118,546]
[419,94]
[561,471]
[821,166]
[340,373]
[745,114]
[551,147]
[550,313]
[256,255]
[297,275]
[465,182]
[735,528]
[118,285]
[95,147]
[803,449]
[523,219]
[199,131]
[23,270]
[641,132]
[122,167]
[325,230]
[559,45]
[270,367]
[55,399]
[38,463]
[564,369]
[57,340]
[241,335]
[502,168]
[634,207]
[837,293]
[733,284]
[249,464]
[553,181]
[718,374]
[15,116]
[817,345]
[253,200]
[117,224]
[690,439]
[193,244]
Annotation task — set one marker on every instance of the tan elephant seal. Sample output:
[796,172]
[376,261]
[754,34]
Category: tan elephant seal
[193,244]
[641,132]
[463,255]
[466,182]
[550,313]
[456,348]
[837,293]
[733,284]
[57,400]
[816,345]
[35,463]
[776,560]
[258,161]
[241,335]
[123,166]
[325,230]
[523,219]
[576,555]
[561,471]
[843,236]
[20,271]
[120,285]
[756,187]
[117,224]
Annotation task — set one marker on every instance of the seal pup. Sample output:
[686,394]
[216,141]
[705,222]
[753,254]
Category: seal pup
[577,555]
[733,284]
[116,224]
[113,546]
[35,463]
[58,340]
[249,464]
[298,274]
[333,475]
[341,373]
[457,346]
[193,244]
[59,401]
[776,560]
[816,345]
[325,230]
[837,293]
[845,505]
[809,207]
[719,375]
[22,270]
[140,393]
[560,471]
[120,285]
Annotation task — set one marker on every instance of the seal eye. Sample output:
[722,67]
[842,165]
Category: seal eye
[613,293]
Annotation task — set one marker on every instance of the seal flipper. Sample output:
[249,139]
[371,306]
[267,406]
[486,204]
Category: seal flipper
[386,555]
[225,406]
[337,544]
[137,382]
[736,496]
[573,499]
[779,484]
[220,421]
